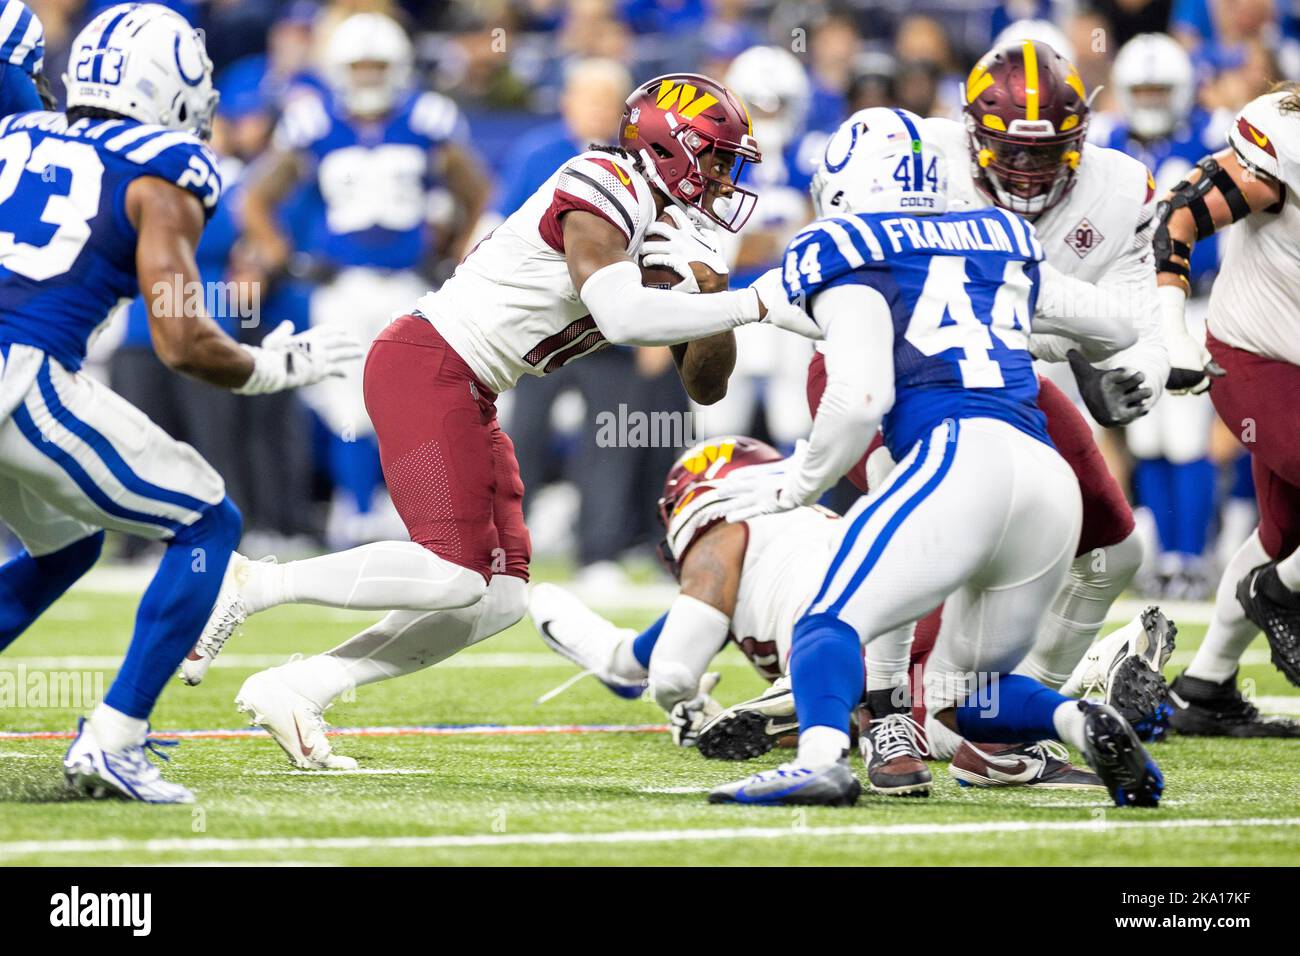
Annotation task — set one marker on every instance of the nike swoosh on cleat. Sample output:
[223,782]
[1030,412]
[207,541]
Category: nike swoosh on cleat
[302,745]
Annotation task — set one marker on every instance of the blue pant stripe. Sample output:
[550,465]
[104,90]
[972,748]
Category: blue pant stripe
[851,535]
[882,540]
[102,447]
[23,419]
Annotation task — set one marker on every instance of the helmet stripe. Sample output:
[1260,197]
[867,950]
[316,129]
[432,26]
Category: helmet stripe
[1031,80]
[104,37]
[917,176]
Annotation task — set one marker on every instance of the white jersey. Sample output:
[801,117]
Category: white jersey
[785,559]
[1253,303]
[1099,232]
[511,309]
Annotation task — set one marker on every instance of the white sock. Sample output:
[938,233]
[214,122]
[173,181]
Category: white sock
[888,657]
[1229,632]
[406,641]
[625,665]
[821,746]
[115,731]
[1288,571]
[1068,721]
[1079,610]
[387,575]
[943,741]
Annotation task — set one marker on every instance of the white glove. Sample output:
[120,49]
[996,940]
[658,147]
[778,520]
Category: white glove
[285,360]
[688,716]
[760,489]
[1191,366]
[781,312]
[677,244]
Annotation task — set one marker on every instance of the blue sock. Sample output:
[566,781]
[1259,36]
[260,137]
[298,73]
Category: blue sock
[29,585]
[1153,489]
[826,671]
[174,608]
[1193,504]
[643,645]
[1016,709]
[354,467]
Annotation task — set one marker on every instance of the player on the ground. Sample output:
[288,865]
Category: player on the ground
[1254,335]
[926,316]
[23,84]
[1173,477]
[1024,150]
[747,582]
[374,148]
[99,204]
[555,281]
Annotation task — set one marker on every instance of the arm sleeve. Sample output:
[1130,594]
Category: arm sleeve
[1100,320]
[629,314]
[859,354]
[692,635]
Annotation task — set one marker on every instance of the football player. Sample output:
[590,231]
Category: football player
[23,84]
[927,316]
[1252,336]
[746,582]
[1173,477]
[98,204]
[1021,147]
[375,149]
[555,281]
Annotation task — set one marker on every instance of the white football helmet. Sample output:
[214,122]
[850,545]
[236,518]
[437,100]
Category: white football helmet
[881,160]
[143,61]
[369,38]
[1154,84]
[773,84]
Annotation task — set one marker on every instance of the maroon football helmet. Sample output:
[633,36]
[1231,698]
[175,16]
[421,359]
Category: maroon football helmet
[1027,115]
[687,507]
[694,137]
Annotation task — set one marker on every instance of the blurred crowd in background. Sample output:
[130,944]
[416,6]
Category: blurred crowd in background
[501,92]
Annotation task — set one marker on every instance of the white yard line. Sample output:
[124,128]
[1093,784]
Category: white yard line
[220,845]
[530,660]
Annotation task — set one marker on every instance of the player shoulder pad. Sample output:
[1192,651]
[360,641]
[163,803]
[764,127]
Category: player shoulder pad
[22,38]
[948,134]
[177,156]
[1266,137]
[609,185]
[438,118]
[827,250]
[305,120]
[1113,191]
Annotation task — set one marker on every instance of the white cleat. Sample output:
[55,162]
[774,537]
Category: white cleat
[295,721]
[228,614]
[577,633]
[98,773]
[1149,638]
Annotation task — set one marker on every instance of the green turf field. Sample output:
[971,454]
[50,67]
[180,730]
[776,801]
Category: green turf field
[600,798]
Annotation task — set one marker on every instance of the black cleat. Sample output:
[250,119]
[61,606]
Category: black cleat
[1116,754]
[751,728]
[1274,609]
[1142,698]
[1202,708]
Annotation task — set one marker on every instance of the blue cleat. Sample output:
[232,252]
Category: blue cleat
[792,785]
[98,773]
[1117,756]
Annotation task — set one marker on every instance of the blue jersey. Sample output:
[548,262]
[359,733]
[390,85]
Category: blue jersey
[374,179]
[961,287]
[67,248]
[1169,160]
[22,53]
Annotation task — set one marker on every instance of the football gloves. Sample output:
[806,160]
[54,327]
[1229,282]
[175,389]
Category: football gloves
[1115,396]
[677,244]
[286,359]
[687,717]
